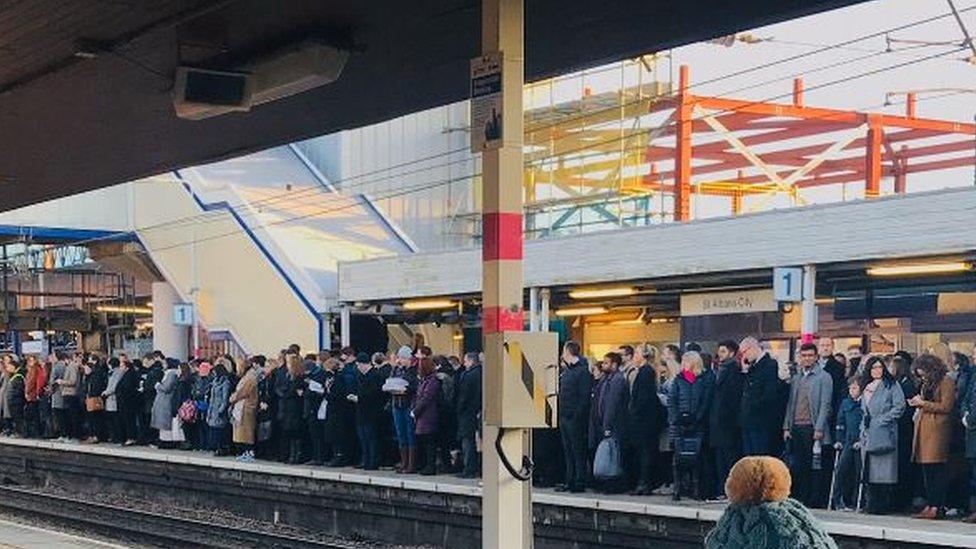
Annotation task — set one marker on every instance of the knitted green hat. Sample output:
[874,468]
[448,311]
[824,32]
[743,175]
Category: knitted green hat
[761,516]
[783,524]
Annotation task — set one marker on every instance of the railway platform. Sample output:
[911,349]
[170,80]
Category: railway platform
[442,511]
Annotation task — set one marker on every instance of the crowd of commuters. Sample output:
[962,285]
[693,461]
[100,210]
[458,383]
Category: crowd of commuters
[882,433]
[412,409]
[886,433]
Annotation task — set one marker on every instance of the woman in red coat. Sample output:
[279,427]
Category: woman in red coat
[36,382]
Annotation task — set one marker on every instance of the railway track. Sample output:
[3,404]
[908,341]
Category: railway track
[147,528]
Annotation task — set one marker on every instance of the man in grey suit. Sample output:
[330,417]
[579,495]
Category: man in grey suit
[807,427]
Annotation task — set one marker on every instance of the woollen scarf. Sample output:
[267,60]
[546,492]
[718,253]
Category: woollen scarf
[689,376]
[783,524]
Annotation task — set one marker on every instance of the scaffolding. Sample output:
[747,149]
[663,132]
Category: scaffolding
[639,154]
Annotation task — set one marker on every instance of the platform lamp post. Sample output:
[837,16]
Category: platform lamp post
[506,505]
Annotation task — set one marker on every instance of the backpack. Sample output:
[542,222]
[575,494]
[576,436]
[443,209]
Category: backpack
[187,412]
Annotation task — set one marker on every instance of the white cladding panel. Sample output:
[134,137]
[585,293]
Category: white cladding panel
[931,223]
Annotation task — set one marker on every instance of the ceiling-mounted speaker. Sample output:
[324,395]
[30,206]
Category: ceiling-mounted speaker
[202,93]
[287,71]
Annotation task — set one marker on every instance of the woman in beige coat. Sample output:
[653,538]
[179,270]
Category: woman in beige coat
[933,425]
[244,408]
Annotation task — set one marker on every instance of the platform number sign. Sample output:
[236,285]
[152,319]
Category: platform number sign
[788,284]
[183,314]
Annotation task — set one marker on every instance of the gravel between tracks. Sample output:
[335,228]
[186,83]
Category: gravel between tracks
[212,516]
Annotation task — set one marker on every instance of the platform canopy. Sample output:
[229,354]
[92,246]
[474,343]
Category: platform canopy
[85,86]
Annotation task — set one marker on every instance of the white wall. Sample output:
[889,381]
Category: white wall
[239,290]
[893,227]
[102,209]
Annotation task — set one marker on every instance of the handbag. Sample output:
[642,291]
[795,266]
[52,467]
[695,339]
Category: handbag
[606,462]
[94,404]
[687,449]
[872,445]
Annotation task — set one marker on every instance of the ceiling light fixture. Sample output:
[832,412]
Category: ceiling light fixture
[427,304]
[620,291]
[124,309]
[919,269]
[581,311]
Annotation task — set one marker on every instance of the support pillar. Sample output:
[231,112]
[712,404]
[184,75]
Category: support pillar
[533,309]
[169,338]
[809,320]
[682,159]
[544,310]
[506,507]
[345,325]
[872,171]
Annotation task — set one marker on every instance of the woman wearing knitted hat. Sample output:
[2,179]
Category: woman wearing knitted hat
[761,513]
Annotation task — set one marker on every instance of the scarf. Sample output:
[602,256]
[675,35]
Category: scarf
[689,376]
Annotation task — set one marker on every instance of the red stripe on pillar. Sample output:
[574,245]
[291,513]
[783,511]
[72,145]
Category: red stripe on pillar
[502,236]
[501,319]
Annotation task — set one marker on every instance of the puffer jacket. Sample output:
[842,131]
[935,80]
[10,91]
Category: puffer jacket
[689,405]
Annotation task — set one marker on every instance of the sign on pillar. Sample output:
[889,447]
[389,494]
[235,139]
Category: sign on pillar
[487,107]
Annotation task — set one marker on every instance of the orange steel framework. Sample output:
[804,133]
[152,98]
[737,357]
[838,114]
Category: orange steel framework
[762,148]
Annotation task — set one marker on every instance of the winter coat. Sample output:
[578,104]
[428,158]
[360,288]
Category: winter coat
[57,372]
[821,396]
[127,392]
[761,397]
[200,390]
[880,427]
[689,405]
[150,377]
[575,394]
[311,400]
[848,429]
[836,372]
[369,394]
[71,382]
[608,416]
[424,406]
[646,415]
[97,381]
[783,524]
[111,403]
[723,416]
[933,425]
[290,403]
[340,412]
[967,411]
[217,401]
[162,406]
[35,383]
[247,394]
[14,396]
[4,379]
[468,393]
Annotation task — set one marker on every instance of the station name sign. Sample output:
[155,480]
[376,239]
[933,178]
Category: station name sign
[724,303]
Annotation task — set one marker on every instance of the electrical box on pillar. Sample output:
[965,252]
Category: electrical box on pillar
[527,378]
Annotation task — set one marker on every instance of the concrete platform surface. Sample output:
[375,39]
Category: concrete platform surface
[14,535]
[949,533]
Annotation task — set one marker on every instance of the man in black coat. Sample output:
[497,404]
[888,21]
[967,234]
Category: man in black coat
[368,399]
[575,391]
[725,437]
[762,404]
[468,395]
[647,417]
